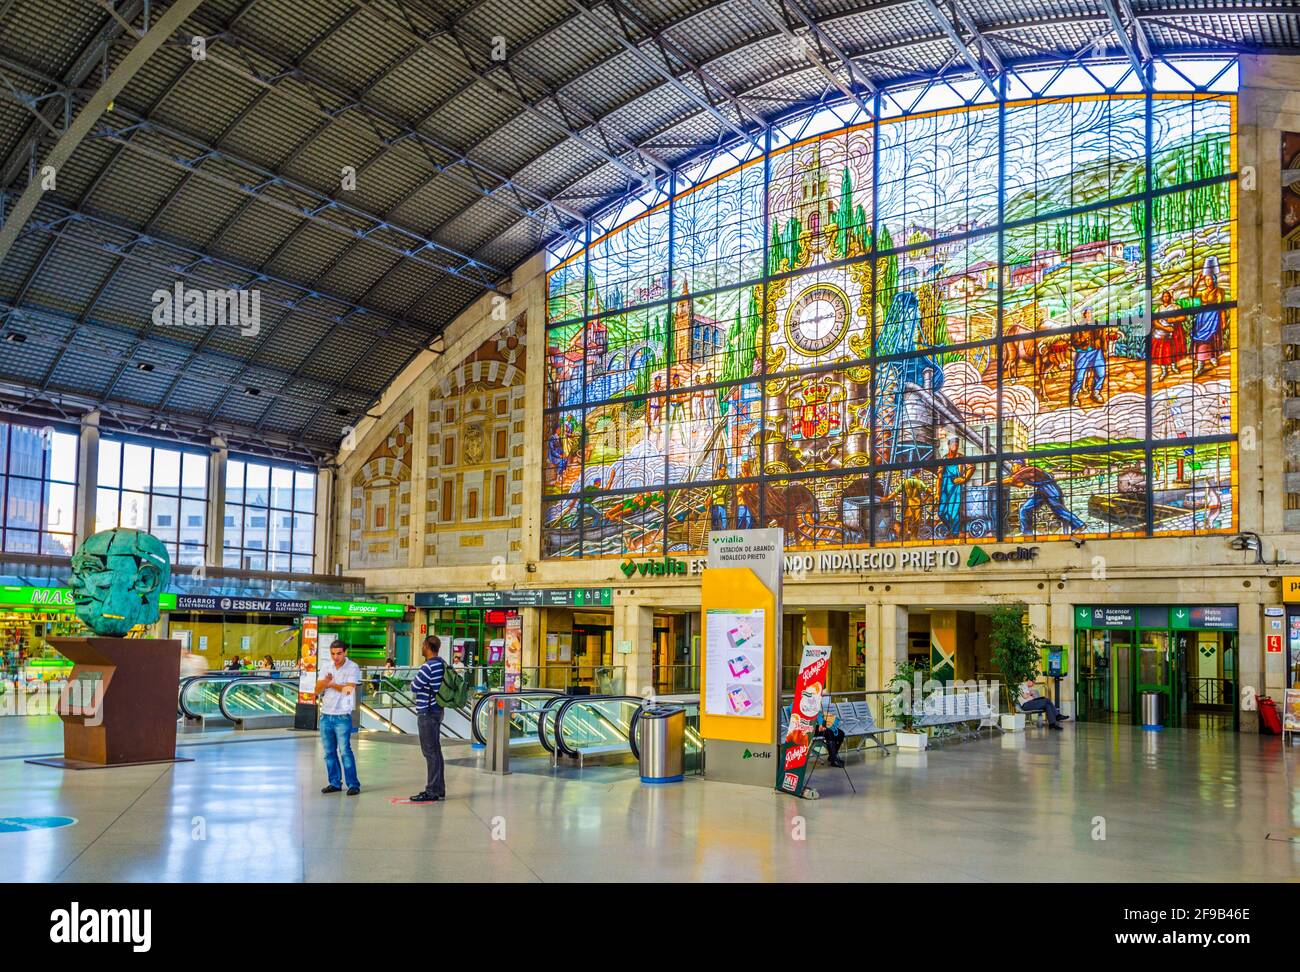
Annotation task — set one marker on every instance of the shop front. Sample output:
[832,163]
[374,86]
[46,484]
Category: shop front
[29,617]
[248,632]
[1184,654]
[575,636]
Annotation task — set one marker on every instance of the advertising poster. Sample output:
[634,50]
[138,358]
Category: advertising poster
[552,647]
[736,650]
[307,655]
[1291,710]
[808,690]
[514,653]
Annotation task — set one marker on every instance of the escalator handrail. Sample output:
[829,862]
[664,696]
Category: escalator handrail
[185,685]
[218,676]
[482,700]
[239,683]
[551,704]
[559,716]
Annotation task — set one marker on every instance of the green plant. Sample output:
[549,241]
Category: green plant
[1016,650]
[904,705]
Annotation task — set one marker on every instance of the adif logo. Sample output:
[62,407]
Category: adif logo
[102,925]
[190,307]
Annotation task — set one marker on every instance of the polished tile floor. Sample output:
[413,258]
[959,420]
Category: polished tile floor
[1174,806]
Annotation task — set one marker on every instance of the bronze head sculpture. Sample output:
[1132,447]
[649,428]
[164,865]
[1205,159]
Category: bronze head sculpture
[117,576]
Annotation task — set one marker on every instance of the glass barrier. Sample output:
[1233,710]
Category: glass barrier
[200,696]
[524,720]
[594,724]
[252,697]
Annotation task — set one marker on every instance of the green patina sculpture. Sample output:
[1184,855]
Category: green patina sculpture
[117,576]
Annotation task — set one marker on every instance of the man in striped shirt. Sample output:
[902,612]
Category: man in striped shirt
[427,682]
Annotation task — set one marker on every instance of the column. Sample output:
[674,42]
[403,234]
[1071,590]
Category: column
[634,624]
[531,653]
[886,643]
[87,476]
[1250,658]
[325,538]
[218,456]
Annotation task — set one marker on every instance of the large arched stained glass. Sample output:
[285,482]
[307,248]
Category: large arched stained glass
[1002,322]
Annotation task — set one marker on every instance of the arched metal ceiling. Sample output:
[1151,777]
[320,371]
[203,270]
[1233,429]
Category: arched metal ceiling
[477,129]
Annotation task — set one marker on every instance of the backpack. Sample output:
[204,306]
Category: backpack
[454,690]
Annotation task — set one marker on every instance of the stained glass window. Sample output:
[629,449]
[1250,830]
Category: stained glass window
[995,322]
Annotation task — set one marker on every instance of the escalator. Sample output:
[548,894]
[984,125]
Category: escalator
[388,706]
[259,703]
[528,712]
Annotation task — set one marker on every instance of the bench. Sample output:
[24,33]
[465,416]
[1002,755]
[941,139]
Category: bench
[956,709]
[854,718]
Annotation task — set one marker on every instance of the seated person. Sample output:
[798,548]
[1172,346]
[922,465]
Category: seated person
[1031,701]
[828,730]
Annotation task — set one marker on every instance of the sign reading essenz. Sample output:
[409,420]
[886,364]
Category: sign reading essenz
[206,602]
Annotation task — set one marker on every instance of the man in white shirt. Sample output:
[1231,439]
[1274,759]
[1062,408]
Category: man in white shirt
[337,687]
[1031,701]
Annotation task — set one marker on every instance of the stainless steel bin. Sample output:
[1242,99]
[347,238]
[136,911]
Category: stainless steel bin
[661,732]
[1152,717]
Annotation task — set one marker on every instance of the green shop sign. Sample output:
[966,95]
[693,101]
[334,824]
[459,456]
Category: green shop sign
[356,609]
[36,598]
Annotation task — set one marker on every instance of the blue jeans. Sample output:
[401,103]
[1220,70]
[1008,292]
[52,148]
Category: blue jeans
[1088,360]
[1046,705]
[336,734]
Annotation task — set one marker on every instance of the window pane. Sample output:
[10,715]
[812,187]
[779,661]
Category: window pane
[56,544]
[258,484]
[163,516]
[194,478]
[304,491]
[235,481]
[63,457]
[279,562]
[190,555]
[254,560]
[304,534]
[23,504]
[282,488]
[231,558]
[135,466]
[193,522]
[234,524]
[22,541]
[26,452]
[4,446]
[60,508]
[110,463]
[166,472]
[301,565]
[106,501]
[281,525]
[135,511]
[254,529]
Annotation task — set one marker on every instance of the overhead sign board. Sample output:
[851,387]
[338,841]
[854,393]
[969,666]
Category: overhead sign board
[356,609]
[52,598]
[221,603]
[529,597]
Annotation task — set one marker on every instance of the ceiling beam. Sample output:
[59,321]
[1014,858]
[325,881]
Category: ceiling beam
[172,19]
[948,23]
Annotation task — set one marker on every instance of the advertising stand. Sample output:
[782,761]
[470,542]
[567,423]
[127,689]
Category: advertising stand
[740,597]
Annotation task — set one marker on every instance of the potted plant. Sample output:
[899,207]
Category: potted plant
[1017,654]
[905,708]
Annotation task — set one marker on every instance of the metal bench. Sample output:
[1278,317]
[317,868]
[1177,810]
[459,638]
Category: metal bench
[956,710]
[855,719]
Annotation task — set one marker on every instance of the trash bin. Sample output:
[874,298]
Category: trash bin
[661,732]
[1151,714]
